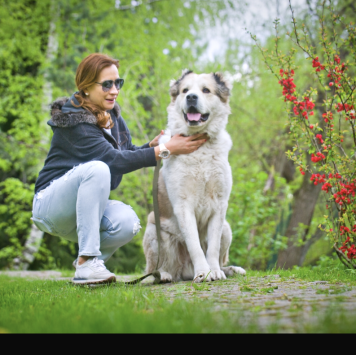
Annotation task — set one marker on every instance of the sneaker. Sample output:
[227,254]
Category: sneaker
[93,271]
[74,263]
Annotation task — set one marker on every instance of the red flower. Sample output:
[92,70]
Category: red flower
[326,187]
[320,137]
[316,158]
[343,107]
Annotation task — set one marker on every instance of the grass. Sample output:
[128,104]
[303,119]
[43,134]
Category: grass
[57,307]
[48,306]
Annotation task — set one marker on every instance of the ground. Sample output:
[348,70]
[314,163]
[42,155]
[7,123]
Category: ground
[300,300]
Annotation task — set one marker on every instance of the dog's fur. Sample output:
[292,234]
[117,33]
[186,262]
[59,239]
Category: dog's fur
[194,188]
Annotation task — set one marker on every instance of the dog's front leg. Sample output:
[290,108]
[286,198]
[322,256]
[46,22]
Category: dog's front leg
[215,227]
[188,227]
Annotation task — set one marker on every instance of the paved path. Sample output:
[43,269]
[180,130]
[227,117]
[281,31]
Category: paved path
[293,302]
[34,274]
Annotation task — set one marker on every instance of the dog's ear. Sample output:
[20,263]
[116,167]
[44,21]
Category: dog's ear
[184,73]
[223,86]
[174,88]
[174,84]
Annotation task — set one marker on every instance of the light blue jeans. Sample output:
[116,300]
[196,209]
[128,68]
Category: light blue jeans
[77,207]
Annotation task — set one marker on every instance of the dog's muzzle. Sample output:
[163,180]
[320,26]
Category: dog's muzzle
[194,118]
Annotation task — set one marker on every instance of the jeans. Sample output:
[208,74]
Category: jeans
[77,208]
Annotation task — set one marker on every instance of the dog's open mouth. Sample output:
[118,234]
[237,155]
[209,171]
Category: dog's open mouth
[193,117]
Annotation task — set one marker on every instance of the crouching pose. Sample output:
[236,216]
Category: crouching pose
[90,151]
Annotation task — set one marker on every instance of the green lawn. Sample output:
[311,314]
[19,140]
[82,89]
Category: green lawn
[51,306]
[46,306]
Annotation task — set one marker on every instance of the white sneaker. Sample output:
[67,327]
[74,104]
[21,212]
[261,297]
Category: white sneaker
[93,271]
[74,263]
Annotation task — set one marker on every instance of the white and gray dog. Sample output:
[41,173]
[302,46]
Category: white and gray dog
[194,188]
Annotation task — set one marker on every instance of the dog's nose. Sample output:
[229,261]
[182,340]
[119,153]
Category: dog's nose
[192,98]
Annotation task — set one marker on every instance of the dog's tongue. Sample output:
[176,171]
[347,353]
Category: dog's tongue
[193,116]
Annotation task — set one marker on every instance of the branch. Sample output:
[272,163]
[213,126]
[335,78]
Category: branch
[253,37]
[343,258]
[296,31]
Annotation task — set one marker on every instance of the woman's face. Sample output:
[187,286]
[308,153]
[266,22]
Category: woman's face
[105,100]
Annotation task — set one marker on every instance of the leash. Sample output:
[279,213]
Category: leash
[156,274]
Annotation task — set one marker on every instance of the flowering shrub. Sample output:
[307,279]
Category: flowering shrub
[329,136]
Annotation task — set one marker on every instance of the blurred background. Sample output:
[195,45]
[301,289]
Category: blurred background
[43,41]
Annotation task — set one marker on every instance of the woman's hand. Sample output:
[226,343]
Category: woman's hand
[154,142]
[184,145]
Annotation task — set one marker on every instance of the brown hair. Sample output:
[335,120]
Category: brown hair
[87,74]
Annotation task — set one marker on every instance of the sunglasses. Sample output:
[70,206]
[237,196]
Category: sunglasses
[107,84]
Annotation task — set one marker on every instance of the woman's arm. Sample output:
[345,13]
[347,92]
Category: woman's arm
[86,142]
[123,128]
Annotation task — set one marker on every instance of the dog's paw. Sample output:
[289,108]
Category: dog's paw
[165,277]
[217,275]
[232,270]
[201,276]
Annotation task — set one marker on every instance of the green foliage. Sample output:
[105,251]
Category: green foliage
[23,36]
[15,211]
[252,216]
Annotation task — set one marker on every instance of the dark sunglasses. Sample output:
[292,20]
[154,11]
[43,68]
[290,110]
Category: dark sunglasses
[107,84]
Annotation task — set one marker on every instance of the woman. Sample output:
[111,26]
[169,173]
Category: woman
[90,151]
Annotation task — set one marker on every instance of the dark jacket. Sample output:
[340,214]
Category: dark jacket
[77,139]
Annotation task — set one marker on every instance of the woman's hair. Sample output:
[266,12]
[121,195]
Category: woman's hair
[87,74]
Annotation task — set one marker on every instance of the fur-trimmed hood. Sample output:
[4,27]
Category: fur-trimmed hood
[64,114]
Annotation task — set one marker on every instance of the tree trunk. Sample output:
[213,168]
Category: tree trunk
[52,48]
[32,245]
[316,236]
[305,200]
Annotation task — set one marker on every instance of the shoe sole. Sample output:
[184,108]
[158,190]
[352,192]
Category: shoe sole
[94,282]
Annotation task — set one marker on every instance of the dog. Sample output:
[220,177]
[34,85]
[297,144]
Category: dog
[194,189]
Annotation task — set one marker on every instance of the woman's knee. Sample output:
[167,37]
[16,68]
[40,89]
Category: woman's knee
[120,221]
[98,173]
[98,169]
[130,224]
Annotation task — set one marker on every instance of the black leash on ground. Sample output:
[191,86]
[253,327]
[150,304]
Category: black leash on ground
[156,274]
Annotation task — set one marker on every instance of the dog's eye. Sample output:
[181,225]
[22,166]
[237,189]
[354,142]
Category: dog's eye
[206,91]
[185,91]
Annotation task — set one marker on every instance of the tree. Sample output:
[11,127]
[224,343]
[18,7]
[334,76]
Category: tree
[322,144]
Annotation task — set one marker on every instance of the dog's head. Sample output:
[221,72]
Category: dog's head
[200,99]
